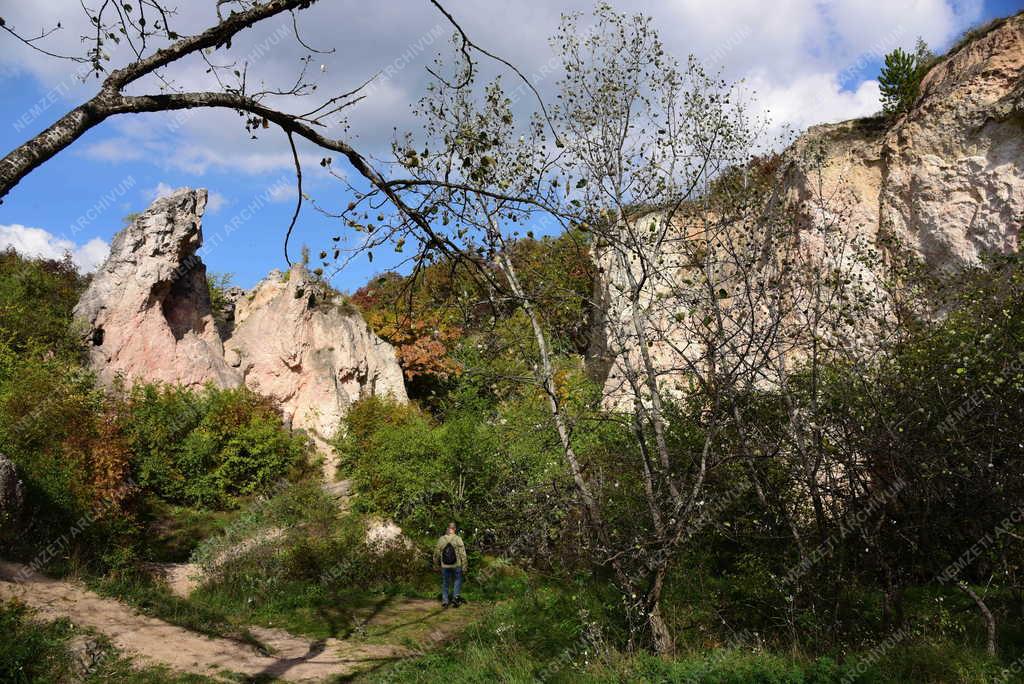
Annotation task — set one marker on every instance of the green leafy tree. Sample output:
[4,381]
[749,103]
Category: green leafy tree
[901,76]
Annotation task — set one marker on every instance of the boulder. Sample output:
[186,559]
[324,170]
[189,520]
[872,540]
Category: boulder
[147,310]
[384,535]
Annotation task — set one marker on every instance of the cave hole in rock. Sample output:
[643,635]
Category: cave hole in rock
[180,306]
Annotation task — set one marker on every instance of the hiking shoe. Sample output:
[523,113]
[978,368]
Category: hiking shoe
[444,604]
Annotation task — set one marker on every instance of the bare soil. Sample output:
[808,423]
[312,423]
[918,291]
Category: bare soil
[393,630]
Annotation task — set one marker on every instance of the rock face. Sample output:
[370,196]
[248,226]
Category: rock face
[944,182]
[291,338]
[147,308]
[947,178]
[12,493]
[953,168]
[301,343]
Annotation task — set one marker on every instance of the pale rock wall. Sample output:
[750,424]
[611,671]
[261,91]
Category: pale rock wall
[147,309]
[944,182]
[301,343]
[148,316]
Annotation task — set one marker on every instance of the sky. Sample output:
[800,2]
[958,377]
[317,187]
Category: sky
[804,61]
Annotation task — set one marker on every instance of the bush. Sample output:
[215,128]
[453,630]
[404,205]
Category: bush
[65,437]
[208,448]
[36,300]
[294,561]
[486,468]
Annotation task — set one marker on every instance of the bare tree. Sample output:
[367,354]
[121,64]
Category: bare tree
[147,28]
[641,159]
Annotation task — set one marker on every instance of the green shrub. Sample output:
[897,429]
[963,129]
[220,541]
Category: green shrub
[294,560]
[36,299]
[487,468]
[65,437]
[63,433]
[208,448]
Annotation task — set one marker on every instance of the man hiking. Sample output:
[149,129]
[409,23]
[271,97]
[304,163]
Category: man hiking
[450,557]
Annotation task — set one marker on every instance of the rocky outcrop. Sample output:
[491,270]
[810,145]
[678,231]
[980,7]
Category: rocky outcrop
[947,178]
[292,338]
[147,310]
[303,344]
[953,168]
[944,184]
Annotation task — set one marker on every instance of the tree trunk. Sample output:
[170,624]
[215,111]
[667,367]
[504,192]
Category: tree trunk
[647,625]
[664,644]
[986,614]
[27,157]
[547,378]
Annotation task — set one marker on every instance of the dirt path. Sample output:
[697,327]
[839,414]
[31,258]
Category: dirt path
[383,636]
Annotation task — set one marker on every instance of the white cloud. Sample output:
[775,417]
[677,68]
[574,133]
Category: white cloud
[215,201]
[114,150]
[788,47]
[813,99]
[36,242]
[282,193]
[161,190]
[91,255]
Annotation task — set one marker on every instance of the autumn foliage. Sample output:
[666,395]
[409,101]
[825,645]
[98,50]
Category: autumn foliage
[428,314]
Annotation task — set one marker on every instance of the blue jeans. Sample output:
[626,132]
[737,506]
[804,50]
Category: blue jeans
[450,577]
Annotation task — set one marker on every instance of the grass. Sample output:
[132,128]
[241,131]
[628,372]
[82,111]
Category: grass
[174,532]
[475,660]
[153,598]
[974,33]
[521,640]
[541,633]
[313,578]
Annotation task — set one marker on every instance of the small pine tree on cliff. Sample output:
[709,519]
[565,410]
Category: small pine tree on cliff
[901,77]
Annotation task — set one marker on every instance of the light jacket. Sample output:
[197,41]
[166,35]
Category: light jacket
[460,552]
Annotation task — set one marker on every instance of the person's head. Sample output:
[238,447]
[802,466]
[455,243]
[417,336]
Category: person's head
[451,528]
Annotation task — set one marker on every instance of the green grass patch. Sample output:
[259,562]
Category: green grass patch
[42,652]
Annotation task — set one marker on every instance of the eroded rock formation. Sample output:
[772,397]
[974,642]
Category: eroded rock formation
[292,338]
[947,178]
[147,309]
[298,341]
[943,183]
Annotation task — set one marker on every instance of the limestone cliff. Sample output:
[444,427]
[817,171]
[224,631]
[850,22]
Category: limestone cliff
[944,182]
[299,342]
[947,178]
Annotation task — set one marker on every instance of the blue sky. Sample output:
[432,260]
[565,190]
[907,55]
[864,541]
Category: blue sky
[809,61]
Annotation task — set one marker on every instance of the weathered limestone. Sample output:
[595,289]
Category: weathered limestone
[947,178]
[147,308]
[944,182]
[301,343]
[292,338]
